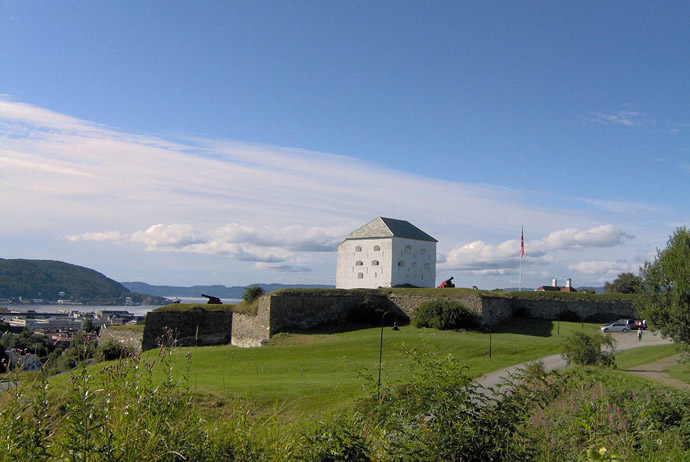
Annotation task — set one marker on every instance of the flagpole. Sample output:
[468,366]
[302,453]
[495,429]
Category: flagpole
[522,254]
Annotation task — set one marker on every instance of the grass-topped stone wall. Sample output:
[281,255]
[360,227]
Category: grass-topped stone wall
[192,324]
[253,324]
[558,305]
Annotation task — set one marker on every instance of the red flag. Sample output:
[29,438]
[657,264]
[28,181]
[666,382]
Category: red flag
[522,242]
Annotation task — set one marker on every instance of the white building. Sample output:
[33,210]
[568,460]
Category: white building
[386,253]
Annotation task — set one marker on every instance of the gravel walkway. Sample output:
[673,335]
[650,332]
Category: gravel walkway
[554,362]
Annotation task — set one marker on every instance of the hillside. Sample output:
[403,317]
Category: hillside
[54,280]
[217,290]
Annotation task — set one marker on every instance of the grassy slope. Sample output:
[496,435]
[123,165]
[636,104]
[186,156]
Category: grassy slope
[308,374]
[322,372]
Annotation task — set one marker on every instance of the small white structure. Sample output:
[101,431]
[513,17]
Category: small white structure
[385,253]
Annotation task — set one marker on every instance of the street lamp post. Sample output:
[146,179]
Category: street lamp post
[558,329]
[490,318]
[395,328]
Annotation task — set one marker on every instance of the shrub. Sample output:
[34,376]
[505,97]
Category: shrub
[444,315]
[586,350]
[338,440]
[113,350]
[251,293]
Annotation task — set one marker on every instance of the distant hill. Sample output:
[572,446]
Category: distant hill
[55,280]
[215,290]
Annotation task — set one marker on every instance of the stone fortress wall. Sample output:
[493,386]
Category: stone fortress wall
[287,311]
[127,337]
[198,327]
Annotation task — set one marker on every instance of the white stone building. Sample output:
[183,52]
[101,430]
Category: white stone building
[386,253]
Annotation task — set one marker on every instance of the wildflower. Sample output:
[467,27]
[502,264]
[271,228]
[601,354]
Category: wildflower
[603,451]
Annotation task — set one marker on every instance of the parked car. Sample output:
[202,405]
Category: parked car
[641,324]
[616,327]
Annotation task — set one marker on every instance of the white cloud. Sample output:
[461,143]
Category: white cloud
[267,244]
[264,208]
[480,256]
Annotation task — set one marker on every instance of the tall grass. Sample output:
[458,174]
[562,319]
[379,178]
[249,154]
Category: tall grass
[144,409]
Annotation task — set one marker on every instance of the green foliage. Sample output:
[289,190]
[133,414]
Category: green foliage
[440,414]
[444,315]
[113,350]
[666,287]
[135,409]
[46,279]
[625,283]
[337,440]
[88,326]
[251,293]
[586,350]
[572,416]
[27,340]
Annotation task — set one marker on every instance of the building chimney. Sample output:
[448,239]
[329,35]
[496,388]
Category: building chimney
[568,283]
[554,282]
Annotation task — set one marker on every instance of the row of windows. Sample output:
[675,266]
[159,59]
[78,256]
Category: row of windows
[373,263]
[377,248]
[401,264]
[361,276]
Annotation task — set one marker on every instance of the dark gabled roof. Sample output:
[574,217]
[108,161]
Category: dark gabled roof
[382,227]
[555,289]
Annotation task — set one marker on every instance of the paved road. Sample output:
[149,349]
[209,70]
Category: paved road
[553,362]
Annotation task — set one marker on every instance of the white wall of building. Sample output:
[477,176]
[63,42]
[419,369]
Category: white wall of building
[385,262]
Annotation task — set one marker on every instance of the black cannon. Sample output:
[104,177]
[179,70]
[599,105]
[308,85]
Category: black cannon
[448,283]
[212,300]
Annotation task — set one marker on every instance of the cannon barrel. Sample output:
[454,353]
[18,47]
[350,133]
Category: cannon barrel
[212,300]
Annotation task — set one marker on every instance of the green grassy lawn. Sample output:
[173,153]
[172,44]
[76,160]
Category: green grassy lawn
[644,355]
[308,373]
[680,371]
[317,373]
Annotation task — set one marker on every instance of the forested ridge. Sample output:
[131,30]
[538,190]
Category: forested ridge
[53,280]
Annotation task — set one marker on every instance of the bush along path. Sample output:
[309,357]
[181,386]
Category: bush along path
[624,341]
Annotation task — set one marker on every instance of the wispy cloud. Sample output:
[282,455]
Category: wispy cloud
[262,208]
[624,118]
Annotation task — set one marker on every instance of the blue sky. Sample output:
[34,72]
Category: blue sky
[238,142]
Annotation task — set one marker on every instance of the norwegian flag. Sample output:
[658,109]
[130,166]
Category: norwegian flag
[522,242]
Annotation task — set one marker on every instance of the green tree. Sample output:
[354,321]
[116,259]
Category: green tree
[666,288]
[625,283]
[251,293]
[586,350]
